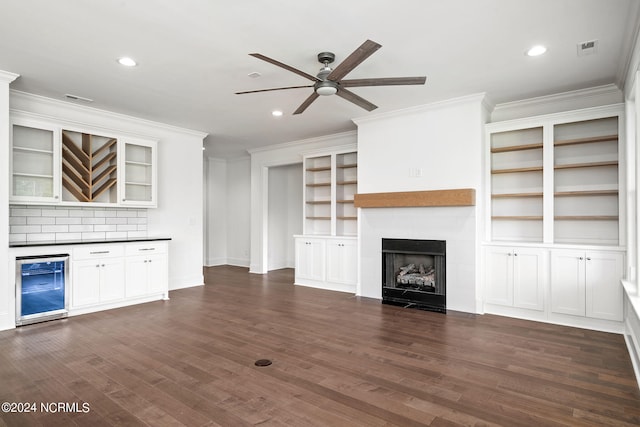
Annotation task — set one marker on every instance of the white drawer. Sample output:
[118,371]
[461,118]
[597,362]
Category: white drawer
[101,251]
[146,248]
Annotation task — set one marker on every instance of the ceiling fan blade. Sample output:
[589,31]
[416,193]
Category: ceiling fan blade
[385,81]
[275,88]
[285,66]
[306,103]
[359,101]
[352,61]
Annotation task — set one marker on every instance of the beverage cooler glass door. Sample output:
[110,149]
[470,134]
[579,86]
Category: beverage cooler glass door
[41,288]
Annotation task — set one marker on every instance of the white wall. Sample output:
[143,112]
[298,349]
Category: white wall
[216,211]
[261,160]
[180,178]
[443,140]
[7,288]
[238,211]
[284,214]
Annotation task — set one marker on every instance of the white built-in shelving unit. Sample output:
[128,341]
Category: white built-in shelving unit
[554,242]
[326,252]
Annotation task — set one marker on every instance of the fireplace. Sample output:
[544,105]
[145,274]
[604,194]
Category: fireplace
[414,273]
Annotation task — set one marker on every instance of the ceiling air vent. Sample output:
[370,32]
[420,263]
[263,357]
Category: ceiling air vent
[588,48]
[77,98]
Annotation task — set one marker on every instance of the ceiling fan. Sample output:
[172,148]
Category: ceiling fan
[329,81]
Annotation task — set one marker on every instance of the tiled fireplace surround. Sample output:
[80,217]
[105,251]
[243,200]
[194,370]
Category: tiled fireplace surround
[455,224]
[57,223]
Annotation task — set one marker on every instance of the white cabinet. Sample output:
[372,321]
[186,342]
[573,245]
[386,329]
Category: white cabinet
[138,173]
[98,275]
[514,277]
[114,275]
[342,261]
[146,269]
[327,263]
[53,163]
[310,259]
[587,283]
[35,162]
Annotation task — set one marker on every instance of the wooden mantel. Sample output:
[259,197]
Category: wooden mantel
[404,199]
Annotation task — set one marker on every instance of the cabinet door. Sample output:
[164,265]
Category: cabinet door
[342,261]
[157,281]
[310,259]
[568,282]
[86,283]
[111,279]
[528,278]
[35,163]
[136,276]
[499,276]
[603,288]
[138,173]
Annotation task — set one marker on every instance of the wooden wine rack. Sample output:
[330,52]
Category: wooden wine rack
[88,171]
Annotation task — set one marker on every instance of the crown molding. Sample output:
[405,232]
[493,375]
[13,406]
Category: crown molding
[564,101]
[55,103]
[303,142]
[6,76]
[478,97]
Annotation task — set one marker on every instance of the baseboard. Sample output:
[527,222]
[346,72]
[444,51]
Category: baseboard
[632,335]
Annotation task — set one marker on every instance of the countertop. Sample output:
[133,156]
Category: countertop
[24,244]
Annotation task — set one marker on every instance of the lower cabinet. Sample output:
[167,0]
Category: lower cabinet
[515,277]
[587,283]
[327,262]
[569,285]
[310,259]
[112,275]
[146,269]
[98,275]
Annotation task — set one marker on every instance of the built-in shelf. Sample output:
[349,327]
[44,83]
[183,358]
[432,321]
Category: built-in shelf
[347,182]
[518,217]
[319,202]
[605,138]
[586,193]
[516,170]
[319,217]
[586,165]
[318,169]
[347,166]
[348,218]
[320,184]
[586,217]
[515,195]
[511,148]
[88,165]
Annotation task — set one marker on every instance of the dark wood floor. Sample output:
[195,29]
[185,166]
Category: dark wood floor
[338,360]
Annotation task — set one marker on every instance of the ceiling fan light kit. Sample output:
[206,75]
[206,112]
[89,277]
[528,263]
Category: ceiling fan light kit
[330,81]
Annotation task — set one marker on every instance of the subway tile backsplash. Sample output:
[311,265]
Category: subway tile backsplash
[61,223]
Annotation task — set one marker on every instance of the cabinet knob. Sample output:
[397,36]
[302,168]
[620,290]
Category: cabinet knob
[509,254]
[515,254]
[580,258]
[97,265]
[588,259]
[103,265]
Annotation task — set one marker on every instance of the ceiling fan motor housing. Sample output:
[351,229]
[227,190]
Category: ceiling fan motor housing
[326,57]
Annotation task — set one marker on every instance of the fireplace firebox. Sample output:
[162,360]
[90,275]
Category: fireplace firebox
[414,274]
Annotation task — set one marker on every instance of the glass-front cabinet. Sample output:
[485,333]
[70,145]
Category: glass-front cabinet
[58,164]
[138,186]
[35,159]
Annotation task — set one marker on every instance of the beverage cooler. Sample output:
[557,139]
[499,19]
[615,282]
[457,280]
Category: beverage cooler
[41,288]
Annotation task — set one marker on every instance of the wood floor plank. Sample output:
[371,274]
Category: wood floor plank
[338,360]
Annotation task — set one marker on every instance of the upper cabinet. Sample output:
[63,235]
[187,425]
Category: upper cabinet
[330,183]
[54,164]
[138,170]
[35,159]
[557,178]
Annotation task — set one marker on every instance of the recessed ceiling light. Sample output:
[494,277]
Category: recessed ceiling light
[536,50]
[276,113]
[127,62]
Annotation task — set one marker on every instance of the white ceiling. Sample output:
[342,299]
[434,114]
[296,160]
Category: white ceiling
[193,56]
